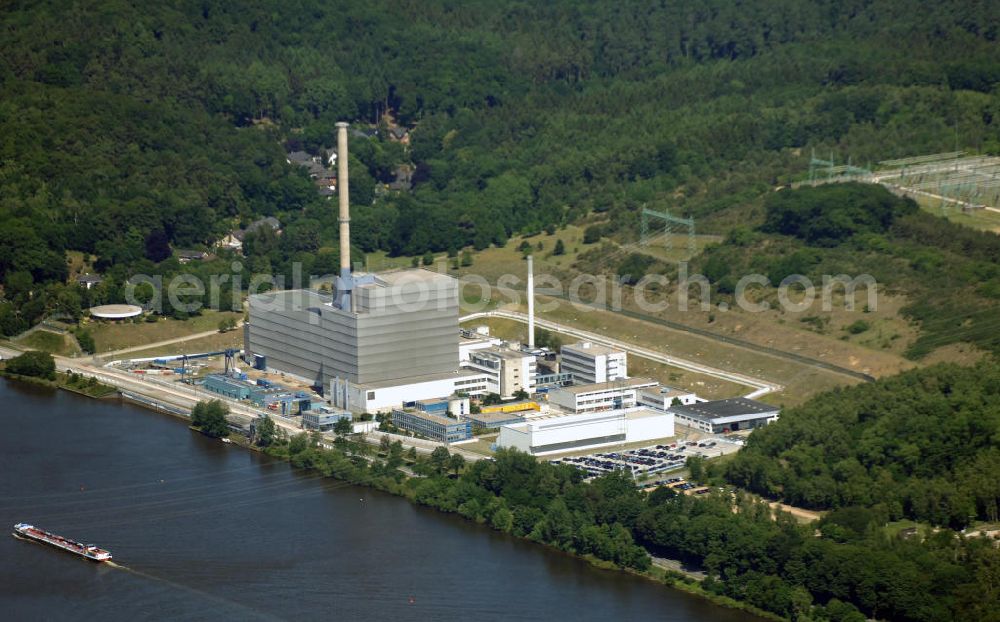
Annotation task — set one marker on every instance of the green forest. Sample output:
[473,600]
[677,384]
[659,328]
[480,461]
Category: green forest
[923,445]
[127,129]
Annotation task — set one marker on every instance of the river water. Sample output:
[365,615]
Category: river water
[203,530]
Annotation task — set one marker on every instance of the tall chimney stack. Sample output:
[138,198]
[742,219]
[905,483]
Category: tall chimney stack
[345,202]
[531,303]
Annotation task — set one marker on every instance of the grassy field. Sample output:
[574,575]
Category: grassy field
[800,381]
[982,219]
[678,250]
[49,341]
[211,343]
[85,386]
[380,260]
[492,263]
[78,263]
[894,528]
[815,332]
[116,336]
[874,346]
[482,444]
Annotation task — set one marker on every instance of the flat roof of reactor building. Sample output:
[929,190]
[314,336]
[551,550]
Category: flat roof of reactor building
[307,297]
[392,278]
[406,276]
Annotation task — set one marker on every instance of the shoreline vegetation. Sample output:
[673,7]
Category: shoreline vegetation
[74,383]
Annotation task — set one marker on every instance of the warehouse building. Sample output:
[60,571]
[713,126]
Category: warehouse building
[262,393]
[600,396]
[722,416]
[523,407]
[556,433]
[282,402]
[226,386]
[436,427]
[591,363]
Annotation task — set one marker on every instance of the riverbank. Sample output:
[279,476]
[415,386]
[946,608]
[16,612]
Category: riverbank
[74,383]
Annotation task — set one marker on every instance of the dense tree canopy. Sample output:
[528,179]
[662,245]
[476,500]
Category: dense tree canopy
[830,215]
[210,418]
[32,363]
[128,128]
[922,445]
[827,574]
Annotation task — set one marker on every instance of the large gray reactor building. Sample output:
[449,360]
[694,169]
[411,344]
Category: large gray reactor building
[400,326]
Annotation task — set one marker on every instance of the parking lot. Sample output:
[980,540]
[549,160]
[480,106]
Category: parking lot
[645,461]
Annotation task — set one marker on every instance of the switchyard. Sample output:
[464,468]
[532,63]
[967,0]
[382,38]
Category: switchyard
[952,180]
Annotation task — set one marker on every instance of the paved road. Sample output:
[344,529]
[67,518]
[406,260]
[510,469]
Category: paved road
[677,566]
[422,445]
[760,386]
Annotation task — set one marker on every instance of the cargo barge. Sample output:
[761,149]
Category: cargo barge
[89,551]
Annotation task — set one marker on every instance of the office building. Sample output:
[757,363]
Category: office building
[592,363]
[508,372]
[435,427]
[600,396]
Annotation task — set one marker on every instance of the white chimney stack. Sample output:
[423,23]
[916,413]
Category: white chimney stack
[531,303]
